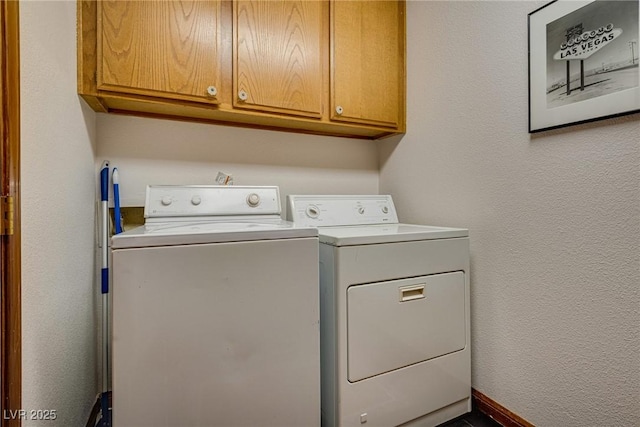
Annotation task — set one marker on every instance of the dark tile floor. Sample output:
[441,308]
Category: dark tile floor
[473,419]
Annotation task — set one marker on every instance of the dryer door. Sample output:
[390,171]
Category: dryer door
[398,323]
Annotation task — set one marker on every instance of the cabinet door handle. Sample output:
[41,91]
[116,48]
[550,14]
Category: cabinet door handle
[212,90]
[242,95]
[339,110]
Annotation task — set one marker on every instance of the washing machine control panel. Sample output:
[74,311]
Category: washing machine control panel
[327,211]
[165,201]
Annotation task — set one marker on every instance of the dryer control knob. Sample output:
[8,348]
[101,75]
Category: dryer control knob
[196,200]
[166,201]
[361,210]
[385,209]
[253,200]
[312,211]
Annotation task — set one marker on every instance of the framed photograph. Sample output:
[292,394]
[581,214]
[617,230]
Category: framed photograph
[583,62]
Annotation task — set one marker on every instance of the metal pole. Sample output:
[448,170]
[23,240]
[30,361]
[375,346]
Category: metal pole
[105,419]
[582,74]
[568,79]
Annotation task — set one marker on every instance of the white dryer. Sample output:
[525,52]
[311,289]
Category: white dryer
[215,312]
[394,314]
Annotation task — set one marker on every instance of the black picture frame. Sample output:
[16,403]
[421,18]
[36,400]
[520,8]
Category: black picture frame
[584,43]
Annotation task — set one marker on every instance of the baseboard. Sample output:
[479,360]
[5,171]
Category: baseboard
[496,411]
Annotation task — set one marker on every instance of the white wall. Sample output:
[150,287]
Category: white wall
[58,211]
[554,218]
[153,151]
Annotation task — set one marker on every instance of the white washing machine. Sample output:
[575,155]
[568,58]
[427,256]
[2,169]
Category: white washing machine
[394,314]
[215,313]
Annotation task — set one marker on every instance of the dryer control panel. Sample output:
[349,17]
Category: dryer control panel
[167,201]
[337,210]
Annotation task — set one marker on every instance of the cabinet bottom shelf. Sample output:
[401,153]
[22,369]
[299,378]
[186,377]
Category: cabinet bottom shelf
[226,116]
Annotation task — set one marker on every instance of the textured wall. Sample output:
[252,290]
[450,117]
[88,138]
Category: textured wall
[58,211]
[554,218]
[153,151]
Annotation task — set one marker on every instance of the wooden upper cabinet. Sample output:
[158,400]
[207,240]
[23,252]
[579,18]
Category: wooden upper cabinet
[168,49]
[367,62]
[278,56]
[311,66]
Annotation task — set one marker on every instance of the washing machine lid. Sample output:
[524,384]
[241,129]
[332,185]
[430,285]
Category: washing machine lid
[385,233]
[200,232]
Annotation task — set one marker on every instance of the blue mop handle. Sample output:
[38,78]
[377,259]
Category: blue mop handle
[116,200]
[104,197]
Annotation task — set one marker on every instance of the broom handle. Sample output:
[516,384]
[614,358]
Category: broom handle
[104,195]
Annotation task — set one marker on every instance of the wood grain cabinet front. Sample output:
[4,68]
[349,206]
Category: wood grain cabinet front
[367,62]
[310,66]
[278,47]
[169,49]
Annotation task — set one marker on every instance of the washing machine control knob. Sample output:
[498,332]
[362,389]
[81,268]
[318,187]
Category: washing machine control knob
[196,200]
[166,201]
[253,200]
[385,209]
[361,210]
[312,211]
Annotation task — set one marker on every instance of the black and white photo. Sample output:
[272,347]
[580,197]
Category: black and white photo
[583,62]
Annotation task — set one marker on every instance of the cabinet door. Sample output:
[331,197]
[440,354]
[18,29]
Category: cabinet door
[277,61]
[367,62]
[160,48]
